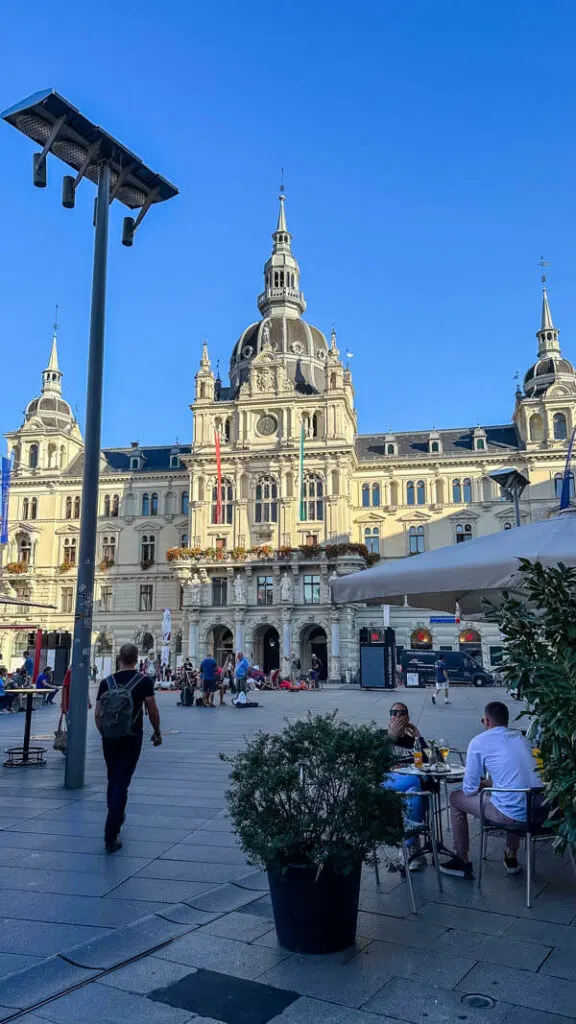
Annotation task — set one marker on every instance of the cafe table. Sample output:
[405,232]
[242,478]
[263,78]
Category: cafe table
[438,775]
[24,756]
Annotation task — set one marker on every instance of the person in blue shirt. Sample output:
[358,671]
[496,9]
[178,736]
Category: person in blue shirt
[241,672]
[44,682]
[441,680]
[28,665]
[5,698]
[209,682]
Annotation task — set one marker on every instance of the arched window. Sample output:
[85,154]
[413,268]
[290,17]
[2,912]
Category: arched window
[333,383]
[315,425]
[184,503]
[456,492]
[560,427]
[33,456]
[145,504]
[507,526]
[416,540]
[463,532]
[372,539]
[226,502]
[154,504]
[389,449]
[480,444]
[410,493]
[107,505]
[148,549]
[365,495]
[68,508]
[34,508]
[266,507]
[313,498]
[434,446]
[227,428]
[70,544]
[25,509]
[536,427]
[421,493]
[109,550]
[183,540]
[376,495]
[116,505]
[24,549]
[558,483]
[467,490]
[77,507]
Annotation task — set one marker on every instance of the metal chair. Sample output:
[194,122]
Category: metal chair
[532,830]
[426,828]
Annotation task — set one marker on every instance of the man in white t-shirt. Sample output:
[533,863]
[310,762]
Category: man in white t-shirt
[505,755]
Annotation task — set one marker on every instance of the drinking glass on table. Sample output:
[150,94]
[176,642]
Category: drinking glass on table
[444,750]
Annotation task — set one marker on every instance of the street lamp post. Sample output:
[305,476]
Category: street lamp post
[61,129]
[512,483]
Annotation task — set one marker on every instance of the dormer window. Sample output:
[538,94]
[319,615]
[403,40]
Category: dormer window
[390,449]
[134,462]
[174,461]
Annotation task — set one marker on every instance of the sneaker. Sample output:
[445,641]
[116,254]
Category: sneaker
[511,864]
[433,698]
[418,862]
[447,701]
[457,867]
[114,846]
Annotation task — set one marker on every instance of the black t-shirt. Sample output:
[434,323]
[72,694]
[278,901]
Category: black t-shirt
[143,689]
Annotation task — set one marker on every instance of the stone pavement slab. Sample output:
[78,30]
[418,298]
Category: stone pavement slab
[328,978]
[146,975]
[523,988]
[46,978]
[244,927]
[42,938]
[314,1011]
[100,1004]
[161,890]
[417,933]
[520,1015]
[227,956]
[430,1004]
[192,871]
[504,951]
[116,947]
[391,960]
[88,910]
[10,962]
[543,932]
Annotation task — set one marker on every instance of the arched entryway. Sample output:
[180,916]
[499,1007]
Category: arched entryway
[471,642]
[266,648]
[313,640]
[220,643]
[146,644]
[421,640]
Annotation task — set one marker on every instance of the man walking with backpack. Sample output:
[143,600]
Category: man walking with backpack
[441,680]
[119,720]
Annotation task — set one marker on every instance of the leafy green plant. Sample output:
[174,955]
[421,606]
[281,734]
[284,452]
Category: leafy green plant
[312,794]
[540,659]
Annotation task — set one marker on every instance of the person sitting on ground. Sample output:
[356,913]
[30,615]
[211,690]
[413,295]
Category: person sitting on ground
[505,755]
[403,733]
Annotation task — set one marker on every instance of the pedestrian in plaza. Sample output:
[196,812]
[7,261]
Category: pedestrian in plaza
[122,698]
[441,680]
[208,669]
[45,682]
[28,667]
[295,668]
[228,673]
[241,673]
[506,757]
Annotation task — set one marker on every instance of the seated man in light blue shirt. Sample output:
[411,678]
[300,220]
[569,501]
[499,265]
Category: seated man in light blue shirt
[505,755]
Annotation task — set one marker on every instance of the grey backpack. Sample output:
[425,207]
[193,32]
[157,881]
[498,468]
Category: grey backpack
[117,708]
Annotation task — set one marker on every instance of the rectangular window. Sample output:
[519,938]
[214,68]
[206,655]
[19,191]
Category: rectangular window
[106,599]
[311,590]
[220,543]
[219,591]
[496,655]
[265,590]
[146,597]
[180,598]
[67,599]
[311,539]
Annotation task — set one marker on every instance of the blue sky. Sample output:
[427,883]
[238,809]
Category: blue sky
[429,154]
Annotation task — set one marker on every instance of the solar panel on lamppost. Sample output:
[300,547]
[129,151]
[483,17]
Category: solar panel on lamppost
[59,128]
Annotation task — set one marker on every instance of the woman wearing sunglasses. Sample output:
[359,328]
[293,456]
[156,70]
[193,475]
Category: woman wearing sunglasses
[403,733]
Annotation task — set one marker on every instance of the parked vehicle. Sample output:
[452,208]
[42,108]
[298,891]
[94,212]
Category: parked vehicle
[461,667]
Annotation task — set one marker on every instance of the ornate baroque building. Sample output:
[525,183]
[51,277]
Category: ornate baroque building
[249,568]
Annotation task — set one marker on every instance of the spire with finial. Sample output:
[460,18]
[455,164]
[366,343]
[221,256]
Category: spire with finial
[52,376]
[548,344]
[281,295]
[205,363]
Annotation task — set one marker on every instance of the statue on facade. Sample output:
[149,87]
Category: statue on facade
[239,589]
[286,588]
[195,589]
[265,335]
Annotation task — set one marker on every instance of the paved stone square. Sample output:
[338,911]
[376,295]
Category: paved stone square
[179,913]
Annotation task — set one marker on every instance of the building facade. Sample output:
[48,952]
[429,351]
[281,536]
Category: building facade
[246,565]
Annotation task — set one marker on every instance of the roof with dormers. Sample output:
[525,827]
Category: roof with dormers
[455,442]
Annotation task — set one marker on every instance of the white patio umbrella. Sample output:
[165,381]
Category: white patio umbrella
[463,574]
[166,636]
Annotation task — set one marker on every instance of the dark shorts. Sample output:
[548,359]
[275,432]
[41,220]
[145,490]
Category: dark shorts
[209,686]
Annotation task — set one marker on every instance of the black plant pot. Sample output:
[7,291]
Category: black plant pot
[315,915]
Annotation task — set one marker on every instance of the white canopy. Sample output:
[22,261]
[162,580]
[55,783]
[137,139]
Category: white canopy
[463,574]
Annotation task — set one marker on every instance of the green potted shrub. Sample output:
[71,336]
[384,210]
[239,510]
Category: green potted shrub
[539,660]
[308,807]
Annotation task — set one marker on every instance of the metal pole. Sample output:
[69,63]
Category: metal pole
[82,643]
[516,500]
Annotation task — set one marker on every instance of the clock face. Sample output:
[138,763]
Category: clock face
[267,425]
